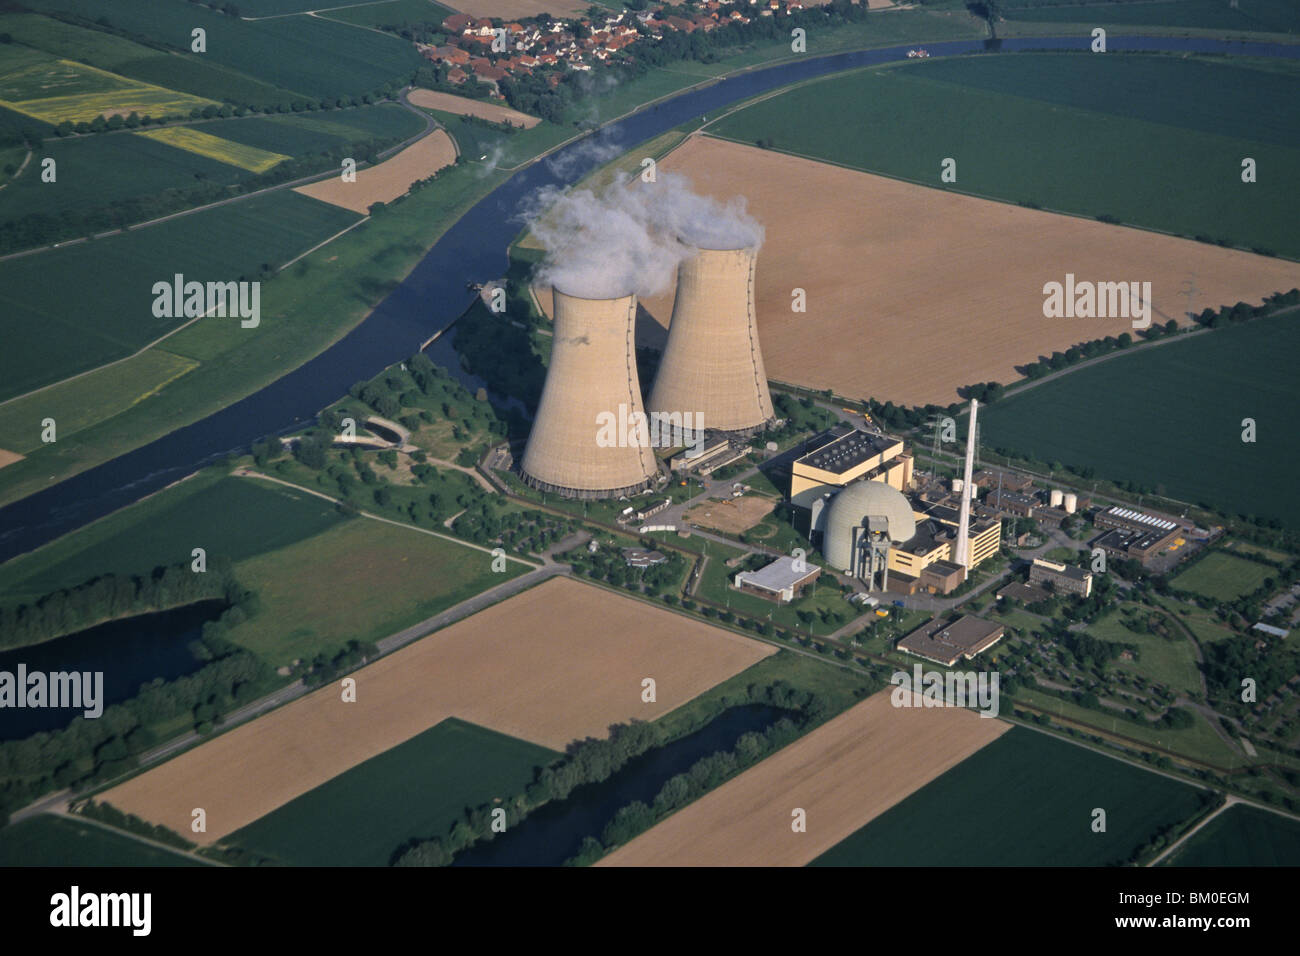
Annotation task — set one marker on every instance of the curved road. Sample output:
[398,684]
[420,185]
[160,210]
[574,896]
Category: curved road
[436,292]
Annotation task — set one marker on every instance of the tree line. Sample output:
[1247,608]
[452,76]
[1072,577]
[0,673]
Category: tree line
[112,596]
[595,760]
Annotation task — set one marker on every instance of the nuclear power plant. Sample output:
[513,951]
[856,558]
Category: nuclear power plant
[711,377]
[592,376]
[712,364]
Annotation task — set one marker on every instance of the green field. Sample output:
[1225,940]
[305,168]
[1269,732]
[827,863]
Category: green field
[1242,836]
[78,405]
[1223,576]
[1269,16]
[300,134]
[122,56]
[98,171]
[1182,122]
[231,518]
[1100,416]
[360,581]
[381,15]
[304,309]
[1200,742]
[417,789]
[1172,663]
[102,171]
[58,90]
[1024,800]
[308,55]
[62,841]
[75,308]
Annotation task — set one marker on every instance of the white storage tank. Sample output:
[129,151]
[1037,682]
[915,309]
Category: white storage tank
[1057,495]
[1071,503]
[957,485]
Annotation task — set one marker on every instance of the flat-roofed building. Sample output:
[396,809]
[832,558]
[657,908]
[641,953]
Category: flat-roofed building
[781,581]
[1062,577]
[1118,516]
[1133,543]
[848,455]
[1008,480]
[947,642]
[1011,502]
[1025,593]
[709,450]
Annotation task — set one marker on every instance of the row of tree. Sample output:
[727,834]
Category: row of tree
[595,760]
[112,596]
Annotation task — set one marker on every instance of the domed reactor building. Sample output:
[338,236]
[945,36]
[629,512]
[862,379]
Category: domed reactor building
[592,377]
[873,526]
[712,364]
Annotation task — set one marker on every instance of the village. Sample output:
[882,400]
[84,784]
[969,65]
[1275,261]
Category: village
[491,50]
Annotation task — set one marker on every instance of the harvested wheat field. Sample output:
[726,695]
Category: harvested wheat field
[843,774]
[920,291]
[464,106]
[731,515]
[559,662]
[388,180]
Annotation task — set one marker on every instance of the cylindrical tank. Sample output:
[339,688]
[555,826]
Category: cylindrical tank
[1071,503]
[712,364]
[957,486]
[1057,496]
[590,438]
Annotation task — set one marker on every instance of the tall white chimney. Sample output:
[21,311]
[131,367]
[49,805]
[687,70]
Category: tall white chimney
[963,529]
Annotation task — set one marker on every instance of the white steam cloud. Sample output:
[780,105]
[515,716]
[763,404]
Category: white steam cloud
[616,241]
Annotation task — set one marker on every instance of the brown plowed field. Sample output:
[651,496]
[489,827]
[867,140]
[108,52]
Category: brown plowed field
[562,661]
[464,106]
[913,292]
[388,180]
[843,774]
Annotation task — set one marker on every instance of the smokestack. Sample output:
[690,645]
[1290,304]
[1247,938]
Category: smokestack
[712,364]
[963,529]
[592,381]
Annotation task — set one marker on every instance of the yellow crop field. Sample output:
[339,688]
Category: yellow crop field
[65,90]
[214,147]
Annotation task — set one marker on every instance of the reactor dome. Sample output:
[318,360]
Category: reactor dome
[850,510]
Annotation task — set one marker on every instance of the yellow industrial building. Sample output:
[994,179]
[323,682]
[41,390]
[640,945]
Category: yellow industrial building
[857,487]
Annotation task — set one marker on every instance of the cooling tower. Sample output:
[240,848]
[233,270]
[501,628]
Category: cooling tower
[712,364]
[592,381]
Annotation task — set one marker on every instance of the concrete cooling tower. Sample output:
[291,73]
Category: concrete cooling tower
[592,378]
[712,364]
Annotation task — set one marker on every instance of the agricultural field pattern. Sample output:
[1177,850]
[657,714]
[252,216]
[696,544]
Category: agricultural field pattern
[510,434]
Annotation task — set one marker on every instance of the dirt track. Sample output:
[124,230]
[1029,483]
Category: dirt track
[913,292]
[556,663]
[388,180]
[843,774]
[464,106]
